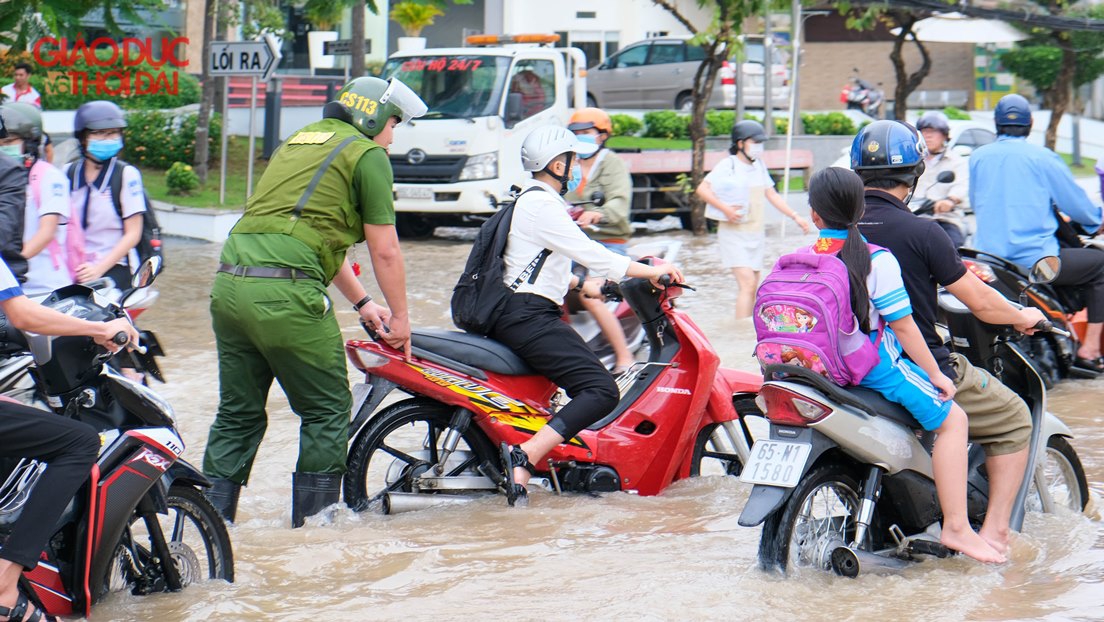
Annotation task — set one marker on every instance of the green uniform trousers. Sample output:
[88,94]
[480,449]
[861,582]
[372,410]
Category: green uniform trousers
[282,329]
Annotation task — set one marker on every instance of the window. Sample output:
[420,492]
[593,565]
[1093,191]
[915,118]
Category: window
[535,81]
[631,57]
[663,53]
[695,53]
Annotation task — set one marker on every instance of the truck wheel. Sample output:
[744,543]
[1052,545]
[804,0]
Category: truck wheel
[414,226]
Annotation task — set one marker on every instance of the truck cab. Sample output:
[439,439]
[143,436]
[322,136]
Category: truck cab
[455,164]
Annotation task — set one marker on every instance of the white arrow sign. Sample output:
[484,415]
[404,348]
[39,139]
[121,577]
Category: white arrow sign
[244,58]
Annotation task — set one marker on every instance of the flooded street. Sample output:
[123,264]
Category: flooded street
[680,555]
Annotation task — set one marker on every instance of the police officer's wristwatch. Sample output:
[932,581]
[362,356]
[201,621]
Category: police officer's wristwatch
[360,303]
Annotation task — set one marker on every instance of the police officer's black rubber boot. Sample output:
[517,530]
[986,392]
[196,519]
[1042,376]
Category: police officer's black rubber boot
[223,494]
[311,493]
[515,456]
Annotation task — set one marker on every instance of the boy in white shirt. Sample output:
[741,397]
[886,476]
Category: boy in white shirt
[530,324]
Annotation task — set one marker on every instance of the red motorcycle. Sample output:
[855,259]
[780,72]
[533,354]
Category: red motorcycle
[678,411]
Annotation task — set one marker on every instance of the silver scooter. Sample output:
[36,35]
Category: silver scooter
[844,481]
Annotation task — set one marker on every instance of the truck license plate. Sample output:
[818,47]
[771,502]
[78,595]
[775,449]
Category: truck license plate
[413,192]
[776,463]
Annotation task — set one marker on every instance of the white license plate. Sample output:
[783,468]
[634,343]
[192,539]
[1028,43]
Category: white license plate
[776,463]
[413,192]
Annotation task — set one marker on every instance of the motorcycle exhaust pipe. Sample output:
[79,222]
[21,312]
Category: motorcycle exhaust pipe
[850,563]
[398,502]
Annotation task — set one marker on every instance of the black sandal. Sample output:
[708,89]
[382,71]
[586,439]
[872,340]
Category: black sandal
[1094,365]
[512,457]
[16,612]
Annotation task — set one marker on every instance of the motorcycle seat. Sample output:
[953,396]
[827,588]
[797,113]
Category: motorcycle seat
[878,406]
[868,401]
[472,350]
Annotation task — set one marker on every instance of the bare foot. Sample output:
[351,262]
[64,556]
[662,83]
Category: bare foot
[968,542]
[996,539]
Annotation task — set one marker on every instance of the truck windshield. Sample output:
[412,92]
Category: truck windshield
[454,87]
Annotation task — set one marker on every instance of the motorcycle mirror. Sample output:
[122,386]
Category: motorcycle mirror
[144,277]
[598,198]
[1045,270]
[945,177]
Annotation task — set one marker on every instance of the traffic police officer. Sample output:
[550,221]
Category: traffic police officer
[327,188]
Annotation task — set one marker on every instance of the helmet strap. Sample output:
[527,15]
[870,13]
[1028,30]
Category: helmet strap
[563,179]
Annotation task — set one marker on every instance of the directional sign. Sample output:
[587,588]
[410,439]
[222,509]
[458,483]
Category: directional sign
[343,47]
[245,58]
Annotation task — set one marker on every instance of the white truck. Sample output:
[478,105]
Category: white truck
[456,163]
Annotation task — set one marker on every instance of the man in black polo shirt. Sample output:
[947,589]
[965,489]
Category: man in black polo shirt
[889,156]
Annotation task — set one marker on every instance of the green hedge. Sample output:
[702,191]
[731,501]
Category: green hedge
[828,124]
[625,124]
[56,85]
[669,124]
[666,124]
[157,139]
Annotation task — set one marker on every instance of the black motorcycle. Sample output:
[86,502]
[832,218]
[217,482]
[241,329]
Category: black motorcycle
[141,522]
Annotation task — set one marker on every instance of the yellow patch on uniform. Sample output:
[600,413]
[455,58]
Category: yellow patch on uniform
[310,138]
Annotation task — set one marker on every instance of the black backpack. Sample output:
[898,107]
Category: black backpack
[150,243]
[480,295]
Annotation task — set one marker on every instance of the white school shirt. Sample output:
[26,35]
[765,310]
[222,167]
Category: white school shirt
[9,285]
[30,96]
[105,229]
[541,221]
[737,183]
[47,193]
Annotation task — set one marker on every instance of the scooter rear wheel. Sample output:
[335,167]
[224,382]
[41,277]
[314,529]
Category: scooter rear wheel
[401,443]
[818,516]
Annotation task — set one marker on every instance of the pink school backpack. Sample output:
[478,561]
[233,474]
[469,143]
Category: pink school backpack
[803,317]
[74,235]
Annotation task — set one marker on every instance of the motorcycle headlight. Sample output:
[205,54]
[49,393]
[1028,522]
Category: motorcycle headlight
[484,166]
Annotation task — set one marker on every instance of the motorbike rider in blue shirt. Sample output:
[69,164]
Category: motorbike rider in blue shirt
[1016,189]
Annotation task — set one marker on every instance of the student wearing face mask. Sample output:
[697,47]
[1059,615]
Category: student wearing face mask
[112,225]
[734,192]
[47,201]
[542,244]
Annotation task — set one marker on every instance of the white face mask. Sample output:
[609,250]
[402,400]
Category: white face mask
[754,150]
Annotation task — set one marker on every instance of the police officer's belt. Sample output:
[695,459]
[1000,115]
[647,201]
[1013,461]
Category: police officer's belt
[262,272]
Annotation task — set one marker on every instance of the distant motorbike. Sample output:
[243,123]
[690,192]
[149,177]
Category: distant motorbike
[844,480]
[925,207]
[859,94]
[678,412]
[141,522]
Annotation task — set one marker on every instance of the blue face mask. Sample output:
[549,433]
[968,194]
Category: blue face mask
[589,139]
[15,151]
[576,178]
[106,149]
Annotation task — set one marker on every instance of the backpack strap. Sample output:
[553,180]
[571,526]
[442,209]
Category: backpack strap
[313,185]
[532,271]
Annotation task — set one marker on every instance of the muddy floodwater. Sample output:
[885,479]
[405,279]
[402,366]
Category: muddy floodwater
[677,556]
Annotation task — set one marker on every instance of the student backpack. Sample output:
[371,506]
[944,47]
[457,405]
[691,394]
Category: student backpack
[150,242]
[480,295]
[803,316]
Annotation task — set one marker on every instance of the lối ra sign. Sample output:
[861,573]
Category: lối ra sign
[244,58]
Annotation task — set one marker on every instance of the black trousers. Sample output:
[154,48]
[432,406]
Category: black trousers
[69,448]
[121,275]
[531,326]
[1085,267]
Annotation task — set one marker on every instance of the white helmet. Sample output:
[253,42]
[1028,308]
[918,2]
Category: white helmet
[543,144]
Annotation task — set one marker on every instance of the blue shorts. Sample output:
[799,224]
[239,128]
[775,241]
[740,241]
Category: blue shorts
[901,381]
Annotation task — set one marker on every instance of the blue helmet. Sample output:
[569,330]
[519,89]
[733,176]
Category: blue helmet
[888,150]
[1012,110]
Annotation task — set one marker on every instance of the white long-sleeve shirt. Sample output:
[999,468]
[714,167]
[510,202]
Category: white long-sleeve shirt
[541,221]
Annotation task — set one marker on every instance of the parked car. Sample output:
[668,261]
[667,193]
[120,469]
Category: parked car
[659,74]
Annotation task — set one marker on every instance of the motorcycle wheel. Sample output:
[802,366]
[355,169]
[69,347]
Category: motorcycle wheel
[197,539]
[818,516]
[714,454]
[1065,478]
[401,443]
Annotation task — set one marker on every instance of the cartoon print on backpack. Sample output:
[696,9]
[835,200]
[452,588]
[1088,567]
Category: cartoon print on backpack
[787,319]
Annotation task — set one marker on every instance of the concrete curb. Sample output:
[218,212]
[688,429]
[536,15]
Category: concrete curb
[200,223]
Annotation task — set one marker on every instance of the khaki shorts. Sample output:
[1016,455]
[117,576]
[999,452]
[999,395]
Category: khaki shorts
[999,420]
[740,249]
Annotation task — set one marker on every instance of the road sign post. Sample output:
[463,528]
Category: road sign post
[254,59]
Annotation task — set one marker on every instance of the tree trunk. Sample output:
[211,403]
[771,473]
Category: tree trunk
[203,123]
[906,83]
[1059,96]
[356,66]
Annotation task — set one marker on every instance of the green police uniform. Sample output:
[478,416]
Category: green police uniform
[284,328]
[611,177]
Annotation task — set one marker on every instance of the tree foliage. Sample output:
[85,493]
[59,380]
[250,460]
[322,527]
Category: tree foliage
[22,22]
[1056,61]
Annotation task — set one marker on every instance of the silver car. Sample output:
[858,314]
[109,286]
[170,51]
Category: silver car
[659,73]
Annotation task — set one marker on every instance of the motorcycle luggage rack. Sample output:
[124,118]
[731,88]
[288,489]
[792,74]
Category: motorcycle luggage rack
[18,485]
